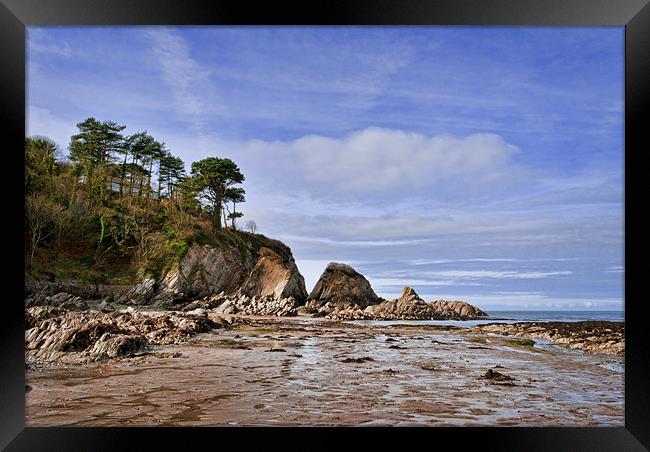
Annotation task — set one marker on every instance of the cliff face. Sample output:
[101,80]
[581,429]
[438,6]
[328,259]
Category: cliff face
[248,265]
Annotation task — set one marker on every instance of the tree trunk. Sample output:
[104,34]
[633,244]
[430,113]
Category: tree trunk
[217,214]
[123,173]
[149,179]
[131,181]
[159,185]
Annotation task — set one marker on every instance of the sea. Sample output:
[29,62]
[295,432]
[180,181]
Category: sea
[511,317]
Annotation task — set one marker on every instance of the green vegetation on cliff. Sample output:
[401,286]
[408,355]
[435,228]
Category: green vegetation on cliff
[121,209]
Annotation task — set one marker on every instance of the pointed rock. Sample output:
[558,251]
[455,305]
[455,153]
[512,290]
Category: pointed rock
[408,294]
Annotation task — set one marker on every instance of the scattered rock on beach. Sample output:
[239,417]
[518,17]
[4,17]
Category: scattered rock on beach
[493,375]
[80,336]
[357,360]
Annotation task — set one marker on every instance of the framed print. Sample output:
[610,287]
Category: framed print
[376,214]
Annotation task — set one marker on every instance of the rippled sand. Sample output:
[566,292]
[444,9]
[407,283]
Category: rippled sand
[291,371]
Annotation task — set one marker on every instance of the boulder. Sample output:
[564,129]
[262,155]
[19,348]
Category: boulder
[343,286]
[109,346]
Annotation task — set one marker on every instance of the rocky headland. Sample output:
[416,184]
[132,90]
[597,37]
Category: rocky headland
[246,275]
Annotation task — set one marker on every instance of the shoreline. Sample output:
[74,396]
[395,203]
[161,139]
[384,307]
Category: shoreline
[301,370]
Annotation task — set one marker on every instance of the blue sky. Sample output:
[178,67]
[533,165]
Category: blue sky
[474,163]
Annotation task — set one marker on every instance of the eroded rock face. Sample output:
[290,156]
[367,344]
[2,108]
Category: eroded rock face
[590,336]
[275,278]
[268,272]
[343,286]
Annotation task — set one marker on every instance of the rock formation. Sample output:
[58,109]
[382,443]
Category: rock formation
[409,306]
[73,336]
[460,310]
[341,285]
[590,336]
[248,265]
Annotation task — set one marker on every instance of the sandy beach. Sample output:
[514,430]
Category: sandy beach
[313,371]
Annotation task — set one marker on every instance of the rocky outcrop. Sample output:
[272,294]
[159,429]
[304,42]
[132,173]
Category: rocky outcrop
[268,305]
[590,336]
[409,306]
[274,277]
[459,310]
[342,286]
[239,264]
[75,336]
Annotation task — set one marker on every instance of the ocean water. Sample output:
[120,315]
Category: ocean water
[559,316]
[510,317]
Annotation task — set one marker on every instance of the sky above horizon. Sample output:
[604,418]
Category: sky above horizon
[472,163]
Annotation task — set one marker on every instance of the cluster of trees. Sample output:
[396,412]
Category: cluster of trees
[99,145]
[106,186]
[211,186]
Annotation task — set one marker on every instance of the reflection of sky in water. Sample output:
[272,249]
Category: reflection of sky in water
[614,366]
[460,323]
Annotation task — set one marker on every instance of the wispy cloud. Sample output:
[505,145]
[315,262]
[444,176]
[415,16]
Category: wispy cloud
[615,269]
[473,274]
[38,43]
[188,80]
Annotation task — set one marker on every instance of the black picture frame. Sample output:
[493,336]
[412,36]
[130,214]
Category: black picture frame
[15,15]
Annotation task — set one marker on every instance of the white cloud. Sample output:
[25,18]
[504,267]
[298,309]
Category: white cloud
[382,162]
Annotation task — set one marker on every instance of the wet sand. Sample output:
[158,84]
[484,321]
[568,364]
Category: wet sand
[308,371]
